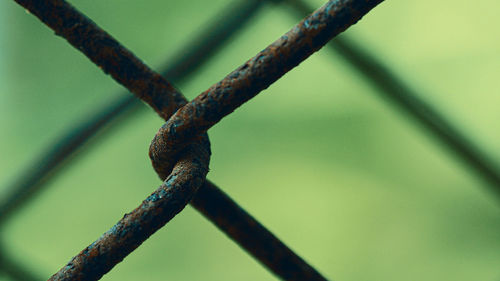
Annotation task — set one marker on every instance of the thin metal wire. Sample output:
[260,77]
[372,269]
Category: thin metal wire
[169,199]
[186,62]
[394,89]
[248,80]
[250,235]
[308,36]
[252,231]
[368,65]
[134,228]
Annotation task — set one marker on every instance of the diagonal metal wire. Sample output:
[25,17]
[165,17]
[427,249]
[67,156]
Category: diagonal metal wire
[249,233]
[252,236]
[191,167]
[277,256]
[170,198]
[186,175]
[371,66]
[251,78]
[191,57]
[366,64]
[390,86]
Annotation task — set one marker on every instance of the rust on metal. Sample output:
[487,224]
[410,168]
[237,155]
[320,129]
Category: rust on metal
[255,75]
[184,170]
[107,53]
[189,171]
[185,62]
[135,227]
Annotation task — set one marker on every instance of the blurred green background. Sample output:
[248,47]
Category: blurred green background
[346,179]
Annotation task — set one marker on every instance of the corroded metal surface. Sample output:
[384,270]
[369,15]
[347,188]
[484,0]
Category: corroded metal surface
[107,53]
[254,76]
[241,227]
[135,227]
[179,186]
[184,63]
[184,170]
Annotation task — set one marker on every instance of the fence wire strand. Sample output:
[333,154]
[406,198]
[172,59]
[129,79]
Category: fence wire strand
[182,183]
[249,234]
[252,77]
[196,53]
[185,63]
[395,90]
[192,164]
[196,117]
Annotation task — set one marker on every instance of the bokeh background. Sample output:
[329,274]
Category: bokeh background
[343,176]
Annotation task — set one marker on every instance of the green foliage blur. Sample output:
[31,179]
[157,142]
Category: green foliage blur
[344,177]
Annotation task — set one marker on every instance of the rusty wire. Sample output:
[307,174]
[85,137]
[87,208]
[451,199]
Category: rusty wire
[186,62]
[252,77]
[135,227]
[370,69]
[249,233]
[189,171]
[192,164]
[388,84]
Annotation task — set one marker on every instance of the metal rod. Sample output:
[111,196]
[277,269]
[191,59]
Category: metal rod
[65,149]
[135,227]
[209,200]
[249,234]
[101,256]
[108,54]
[180,184]
[255,75]
[390,86]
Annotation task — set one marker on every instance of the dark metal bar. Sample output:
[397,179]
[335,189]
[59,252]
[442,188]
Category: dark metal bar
[254,76]
[135,227]
[186,62]
[221,223]
[161,206]
[249,234]
[390,86]
[183,180]
[107,53]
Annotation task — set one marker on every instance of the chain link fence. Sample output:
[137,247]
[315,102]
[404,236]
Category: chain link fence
[180,152]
